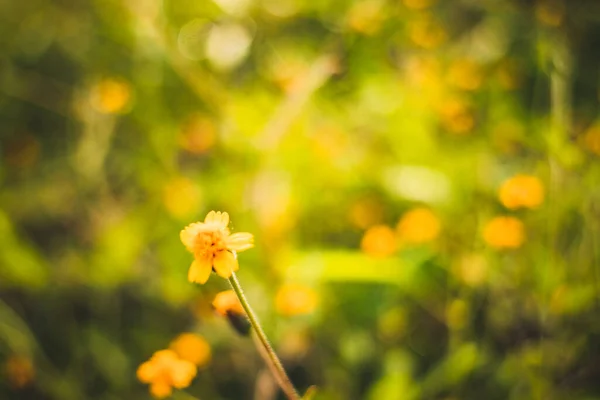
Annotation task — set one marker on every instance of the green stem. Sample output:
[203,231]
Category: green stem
[276,366]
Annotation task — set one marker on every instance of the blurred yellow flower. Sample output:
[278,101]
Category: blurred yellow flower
[472,269]
[366,16]
[214,246]
[165,371]
[198,134]
[294,299]
[227,302]
[591,139]
[19,371]
[521,191]
[418,4]
[419,225]
[111,95]
[504,233]
[181,197]
[456,116]
[465,74]
[192,348]
[425,31]
[379,241]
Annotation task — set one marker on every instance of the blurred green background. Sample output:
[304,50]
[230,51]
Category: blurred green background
[319,126]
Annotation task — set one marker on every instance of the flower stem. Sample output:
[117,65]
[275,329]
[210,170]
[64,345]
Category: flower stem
[275,364]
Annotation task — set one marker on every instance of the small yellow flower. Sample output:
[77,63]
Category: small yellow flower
[425,31]
[521,191]
[418,225]
[226,302]
[165,371]
[19,371]
[111,96]
[456,116]
[465,74]
[192,348]
[214,247]
[504,233]
[296,300]
[379,241]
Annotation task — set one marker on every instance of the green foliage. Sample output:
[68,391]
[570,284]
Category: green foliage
[319,126]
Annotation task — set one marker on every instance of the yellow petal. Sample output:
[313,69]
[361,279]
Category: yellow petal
[188,235]
[200,270]
[160,389]
[240,241]
[210,217]
[224,221]
[146,372]
[225,263]
[218,218]
[182,373]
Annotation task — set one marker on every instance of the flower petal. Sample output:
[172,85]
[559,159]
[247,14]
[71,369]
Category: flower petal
[200,270]
[160,389]
[182,373]
[225,263]
[188,235]
[217,218]
[146,372]
[240,241]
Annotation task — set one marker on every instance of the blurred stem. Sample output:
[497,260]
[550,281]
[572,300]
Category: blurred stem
[272,359]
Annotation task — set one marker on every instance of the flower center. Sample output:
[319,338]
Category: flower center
[209,243]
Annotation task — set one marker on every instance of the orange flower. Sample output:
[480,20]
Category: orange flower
[214,247]
[227,302]
[19,371]
[111,96]
[296,300]
[504,233]
[379,241]
[164,371]
[228,305]
[192,348]
[521,191]
[418,225]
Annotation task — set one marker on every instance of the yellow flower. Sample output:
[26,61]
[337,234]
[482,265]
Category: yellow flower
[226,302]
[465,74]
[19,371]
[228,305]
[379,241]
[456,116]
[192,348]
[111,96]
[366,16]
[425,31]
[214,247]
[198,134]
[418,225]
[521,191]
[165,371]
[418,4]
[296,300]
[504,233]
[181,197]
